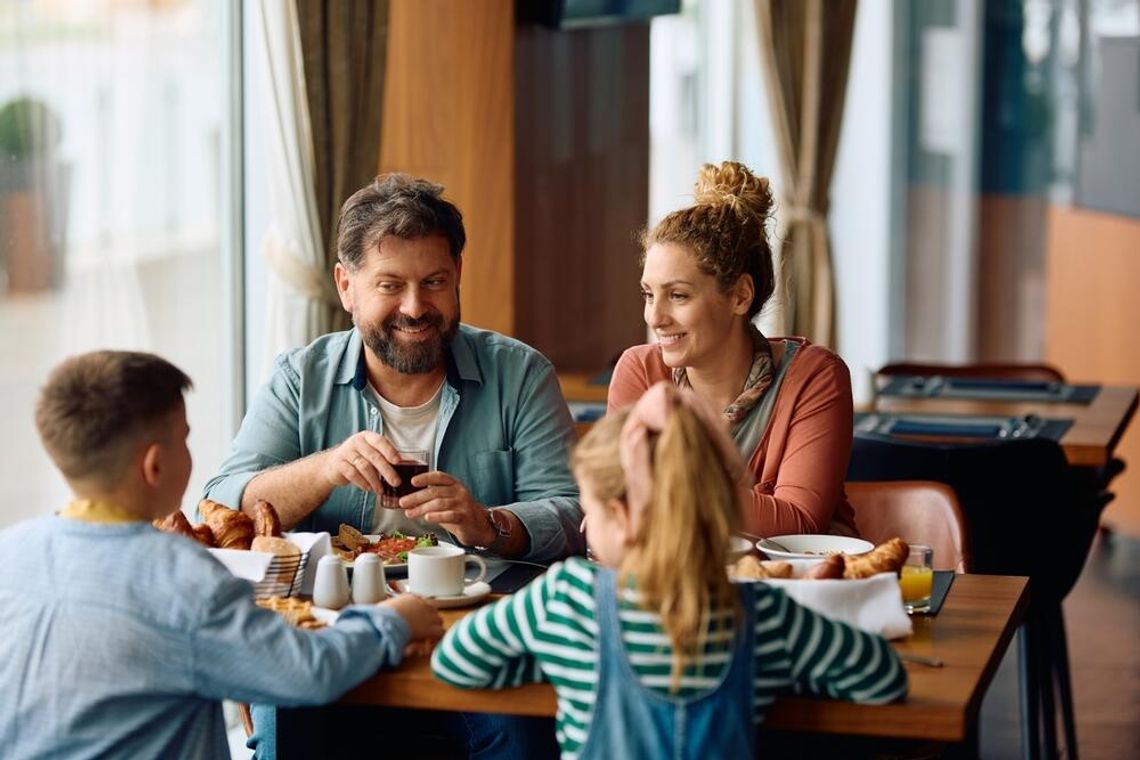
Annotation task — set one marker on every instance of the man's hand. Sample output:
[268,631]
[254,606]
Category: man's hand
[422,618]
[443,500]
[364,460]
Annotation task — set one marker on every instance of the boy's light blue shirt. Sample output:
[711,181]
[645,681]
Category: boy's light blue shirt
[120,641]
[504,430]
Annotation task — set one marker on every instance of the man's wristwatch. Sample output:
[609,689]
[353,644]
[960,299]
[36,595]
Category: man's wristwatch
[503,529]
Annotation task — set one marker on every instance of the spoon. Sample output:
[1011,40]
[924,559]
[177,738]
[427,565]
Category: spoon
[778,546]
[919,659]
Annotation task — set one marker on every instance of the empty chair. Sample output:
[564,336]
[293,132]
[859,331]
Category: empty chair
[1026,514]
[923,512]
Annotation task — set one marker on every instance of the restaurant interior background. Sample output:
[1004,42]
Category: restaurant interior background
[984,204]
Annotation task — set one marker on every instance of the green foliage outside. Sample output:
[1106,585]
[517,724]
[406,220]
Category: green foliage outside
[28,127]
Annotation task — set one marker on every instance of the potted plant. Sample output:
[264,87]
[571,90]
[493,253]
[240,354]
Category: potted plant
[33,195]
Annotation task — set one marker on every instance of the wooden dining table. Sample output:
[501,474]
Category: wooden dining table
[970,635]
[1096,429]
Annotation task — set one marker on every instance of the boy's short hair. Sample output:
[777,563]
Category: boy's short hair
[94,406]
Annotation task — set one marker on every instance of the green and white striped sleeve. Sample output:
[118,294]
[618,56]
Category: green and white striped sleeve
[833,659]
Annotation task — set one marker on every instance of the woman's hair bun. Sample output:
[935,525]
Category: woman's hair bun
[732,184]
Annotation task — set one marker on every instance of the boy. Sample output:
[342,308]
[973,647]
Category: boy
[120,640]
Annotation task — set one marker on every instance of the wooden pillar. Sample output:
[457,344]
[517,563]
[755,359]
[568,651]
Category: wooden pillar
[541,137]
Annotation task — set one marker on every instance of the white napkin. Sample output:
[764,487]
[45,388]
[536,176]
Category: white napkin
[316,545]
[251,566]
[872,604]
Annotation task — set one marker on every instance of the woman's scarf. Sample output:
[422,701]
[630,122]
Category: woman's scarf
[759,379]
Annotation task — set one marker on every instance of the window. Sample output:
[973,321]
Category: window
[118,209]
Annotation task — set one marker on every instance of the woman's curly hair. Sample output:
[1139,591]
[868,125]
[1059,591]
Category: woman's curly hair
[725,229]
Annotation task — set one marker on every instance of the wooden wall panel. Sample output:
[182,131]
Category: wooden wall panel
[1092,323]
[581,190]
[448,116]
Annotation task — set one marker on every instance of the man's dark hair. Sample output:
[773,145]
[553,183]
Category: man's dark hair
[95,407]
[400,205]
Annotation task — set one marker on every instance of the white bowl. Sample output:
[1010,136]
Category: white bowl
[738,546]
[813,546]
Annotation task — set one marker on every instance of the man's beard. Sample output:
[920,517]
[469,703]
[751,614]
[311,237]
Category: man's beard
[410,358]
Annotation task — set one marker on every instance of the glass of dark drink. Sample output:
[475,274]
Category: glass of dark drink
[412,462]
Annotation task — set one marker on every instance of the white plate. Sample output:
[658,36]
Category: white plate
[474,592]
[325,615]
[372,538]
[738,546]
[813,546]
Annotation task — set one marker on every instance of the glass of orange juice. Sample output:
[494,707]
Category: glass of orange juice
[917,578]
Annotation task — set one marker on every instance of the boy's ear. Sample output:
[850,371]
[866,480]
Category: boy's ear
[622,524]
[151,463]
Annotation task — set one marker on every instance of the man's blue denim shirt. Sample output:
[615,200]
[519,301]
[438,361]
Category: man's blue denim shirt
[504,430]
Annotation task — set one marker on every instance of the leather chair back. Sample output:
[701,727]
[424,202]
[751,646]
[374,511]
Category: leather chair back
[922,512]
[1023,512]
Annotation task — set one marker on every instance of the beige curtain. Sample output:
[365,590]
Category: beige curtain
[805,51]
[344,46]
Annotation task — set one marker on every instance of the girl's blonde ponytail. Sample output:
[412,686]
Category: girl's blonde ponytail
[679,554]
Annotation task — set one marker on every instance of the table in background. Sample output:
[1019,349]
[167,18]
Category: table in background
[1097,426]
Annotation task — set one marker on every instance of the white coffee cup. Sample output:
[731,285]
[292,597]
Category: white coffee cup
[368,580]
[330,588]
[438,570]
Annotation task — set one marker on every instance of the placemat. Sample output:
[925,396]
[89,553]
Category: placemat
[964,429]
[519,574]
[989,389]
[941,585]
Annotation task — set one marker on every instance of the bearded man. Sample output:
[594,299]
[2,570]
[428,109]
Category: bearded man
[321,439]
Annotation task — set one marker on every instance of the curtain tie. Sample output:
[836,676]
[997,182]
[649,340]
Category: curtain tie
[308,281]
[796,214]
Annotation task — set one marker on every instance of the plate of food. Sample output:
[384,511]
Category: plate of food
[812,546]
[392,546]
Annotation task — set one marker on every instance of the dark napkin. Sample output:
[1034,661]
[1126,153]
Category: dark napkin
[941,585]
[922,427]
[518,575]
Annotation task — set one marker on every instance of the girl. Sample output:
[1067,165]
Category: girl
[653,652]
[706,273]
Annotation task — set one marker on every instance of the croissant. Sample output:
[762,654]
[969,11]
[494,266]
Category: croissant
[831,567]
[265,520]
[207,507]
[175,522]
[752,568]
[231,529]
[887,557]
[204,536]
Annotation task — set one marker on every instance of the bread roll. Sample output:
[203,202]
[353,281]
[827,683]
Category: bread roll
[279,546]
[266,522]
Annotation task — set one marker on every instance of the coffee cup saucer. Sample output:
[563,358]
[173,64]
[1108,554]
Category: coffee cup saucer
[472,593]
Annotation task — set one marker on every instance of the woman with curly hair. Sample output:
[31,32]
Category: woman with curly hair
[707,271]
